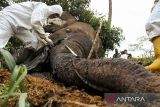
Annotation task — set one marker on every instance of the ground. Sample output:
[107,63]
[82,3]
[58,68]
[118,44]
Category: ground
[47,93]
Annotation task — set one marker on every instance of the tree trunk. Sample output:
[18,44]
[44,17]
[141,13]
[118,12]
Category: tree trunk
[110,12]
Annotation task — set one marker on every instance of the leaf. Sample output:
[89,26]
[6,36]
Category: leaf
[8,59]
[18,75]
[13,79]
[22,99]
[22,70]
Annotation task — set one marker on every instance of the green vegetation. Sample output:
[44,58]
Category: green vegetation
[15,87]
[145,61]
[145,46]
[13,45]
[3,3]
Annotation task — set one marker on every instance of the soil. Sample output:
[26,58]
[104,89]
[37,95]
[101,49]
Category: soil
[44,93]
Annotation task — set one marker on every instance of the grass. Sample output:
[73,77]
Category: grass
[145,61]
[16,83]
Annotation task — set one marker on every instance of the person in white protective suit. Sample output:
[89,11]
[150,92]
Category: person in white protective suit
[25,21]
[153,31]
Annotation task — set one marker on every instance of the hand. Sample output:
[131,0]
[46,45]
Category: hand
[49,41]
[42,36]
[45,38]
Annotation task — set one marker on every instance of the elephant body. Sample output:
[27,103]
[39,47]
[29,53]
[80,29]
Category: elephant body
[106,75]
[116,75]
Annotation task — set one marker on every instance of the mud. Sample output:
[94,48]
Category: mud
[43,93]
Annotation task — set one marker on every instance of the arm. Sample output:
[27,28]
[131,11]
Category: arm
[155,2]
[38,20]
[40,15]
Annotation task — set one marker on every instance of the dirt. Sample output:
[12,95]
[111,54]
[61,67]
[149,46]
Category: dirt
[47,93]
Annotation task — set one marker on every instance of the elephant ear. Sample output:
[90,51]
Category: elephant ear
[66,16]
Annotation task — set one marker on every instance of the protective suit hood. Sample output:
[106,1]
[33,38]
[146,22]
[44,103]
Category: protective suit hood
[55,9]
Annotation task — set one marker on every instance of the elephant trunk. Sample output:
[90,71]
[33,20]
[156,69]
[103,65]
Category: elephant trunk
[114,75]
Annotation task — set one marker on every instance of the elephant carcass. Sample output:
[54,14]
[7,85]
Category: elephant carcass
[116,75]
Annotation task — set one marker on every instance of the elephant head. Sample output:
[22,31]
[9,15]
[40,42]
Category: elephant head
[72,25]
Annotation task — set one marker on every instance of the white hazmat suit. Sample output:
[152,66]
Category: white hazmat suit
[25,20]
[153,23]
[153,31]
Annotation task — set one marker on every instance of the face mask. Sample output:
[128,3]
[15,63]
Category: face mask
[55,21]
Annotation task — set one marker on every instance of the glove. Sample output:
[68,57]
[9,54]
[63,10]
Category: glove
[46,39]
[49,41]
[29,46]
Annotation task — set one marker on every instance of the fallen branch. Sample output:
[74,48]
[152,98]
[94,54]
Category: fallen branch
[77,103]
[49,103]
[95,40]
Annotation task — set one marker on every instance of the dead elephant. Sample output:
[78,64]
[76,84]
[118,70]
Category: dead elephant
[118,75]
[106,75]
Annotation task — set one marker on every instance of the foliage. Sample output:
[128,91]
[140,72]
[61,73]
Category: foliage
[3,3]
[75,7]
[13,45]
[144,45]
[18,74]
[145,61]
[9,59]
[110,37]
